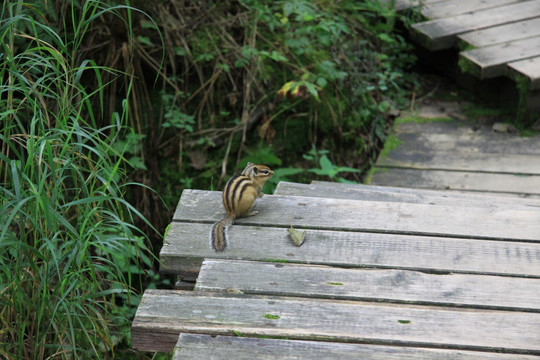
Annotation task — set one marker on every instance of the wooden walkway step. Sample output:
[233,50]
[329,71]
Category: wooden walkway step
[442,31]
[461,156]
[497,37]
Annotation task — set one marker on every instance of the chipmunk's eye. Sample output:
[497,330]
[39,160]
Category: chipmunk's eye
[265,171]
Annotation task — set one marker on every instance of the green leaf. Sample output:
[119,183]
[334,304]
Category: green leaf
[283,172]
[326,164]
[145,40]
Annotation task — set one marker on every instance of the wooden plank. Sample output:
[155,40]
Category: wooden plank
[461,181]
[416,196]
[373,216]
[460,160]
[502,34]
[441,33]
[197,346]
[443,9]
[400,5]
[529,69]
[186,245]
[482,141]
[489,62]
[164,314]
[377,285]
[480,198]
[440,126]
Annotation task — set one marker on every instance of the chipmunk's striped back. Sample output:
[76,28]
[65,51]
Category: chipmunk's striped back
[239,195]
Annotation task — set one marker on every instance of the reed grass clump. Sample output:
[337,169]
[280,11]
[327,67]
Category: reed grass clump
[68,249]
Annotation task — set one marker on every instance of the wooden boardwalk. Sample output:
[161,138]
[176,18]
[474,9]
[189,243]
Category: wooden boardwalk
[497,37]
[384,273]
[402,270]
[459,155]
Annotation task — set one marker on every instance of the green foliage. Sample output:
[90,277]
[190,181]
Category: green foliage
[69,250]
[265,82]
[326,167]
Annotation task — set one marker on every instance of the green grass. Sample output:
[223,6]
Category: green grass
[420,120]
[392,142]
[68,249]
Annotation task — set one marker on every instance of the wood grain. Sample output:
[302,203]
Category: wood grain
[167,313]
[407,195]
[196,346]
[186,245]
[378,285]
[460,156]
[502,34]
[377,216]
[460,181]
[461,160]
[457,136]
[442,9]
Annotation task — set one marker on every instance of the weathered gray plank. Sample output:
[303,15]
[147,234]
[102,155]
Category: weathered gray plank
[461,181]
[444,9]
[489,62]
[186,244]
[441,33]
[439,125]
[503,33]
[406,4]
[380,285]
[377,216]
[197,346]
[529,68]
[480,140]
[381,193]
[164,314]
[408,156]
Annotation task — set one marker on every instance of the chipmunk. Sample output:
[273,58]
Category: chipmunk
[239,195]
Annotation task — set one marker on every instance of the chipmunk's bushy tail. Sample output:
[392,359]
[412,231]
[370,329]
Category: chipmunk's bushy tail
[219,237]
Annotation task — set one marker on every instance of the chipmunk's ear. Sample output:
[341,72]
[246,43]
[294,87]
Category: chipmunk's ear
[249,164]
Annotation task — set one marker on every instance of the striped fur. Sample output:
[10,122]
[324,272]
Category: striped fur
[219,236]
[239,195]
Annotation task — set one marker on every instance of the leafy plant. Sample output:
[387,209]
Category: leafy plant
[326,168]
